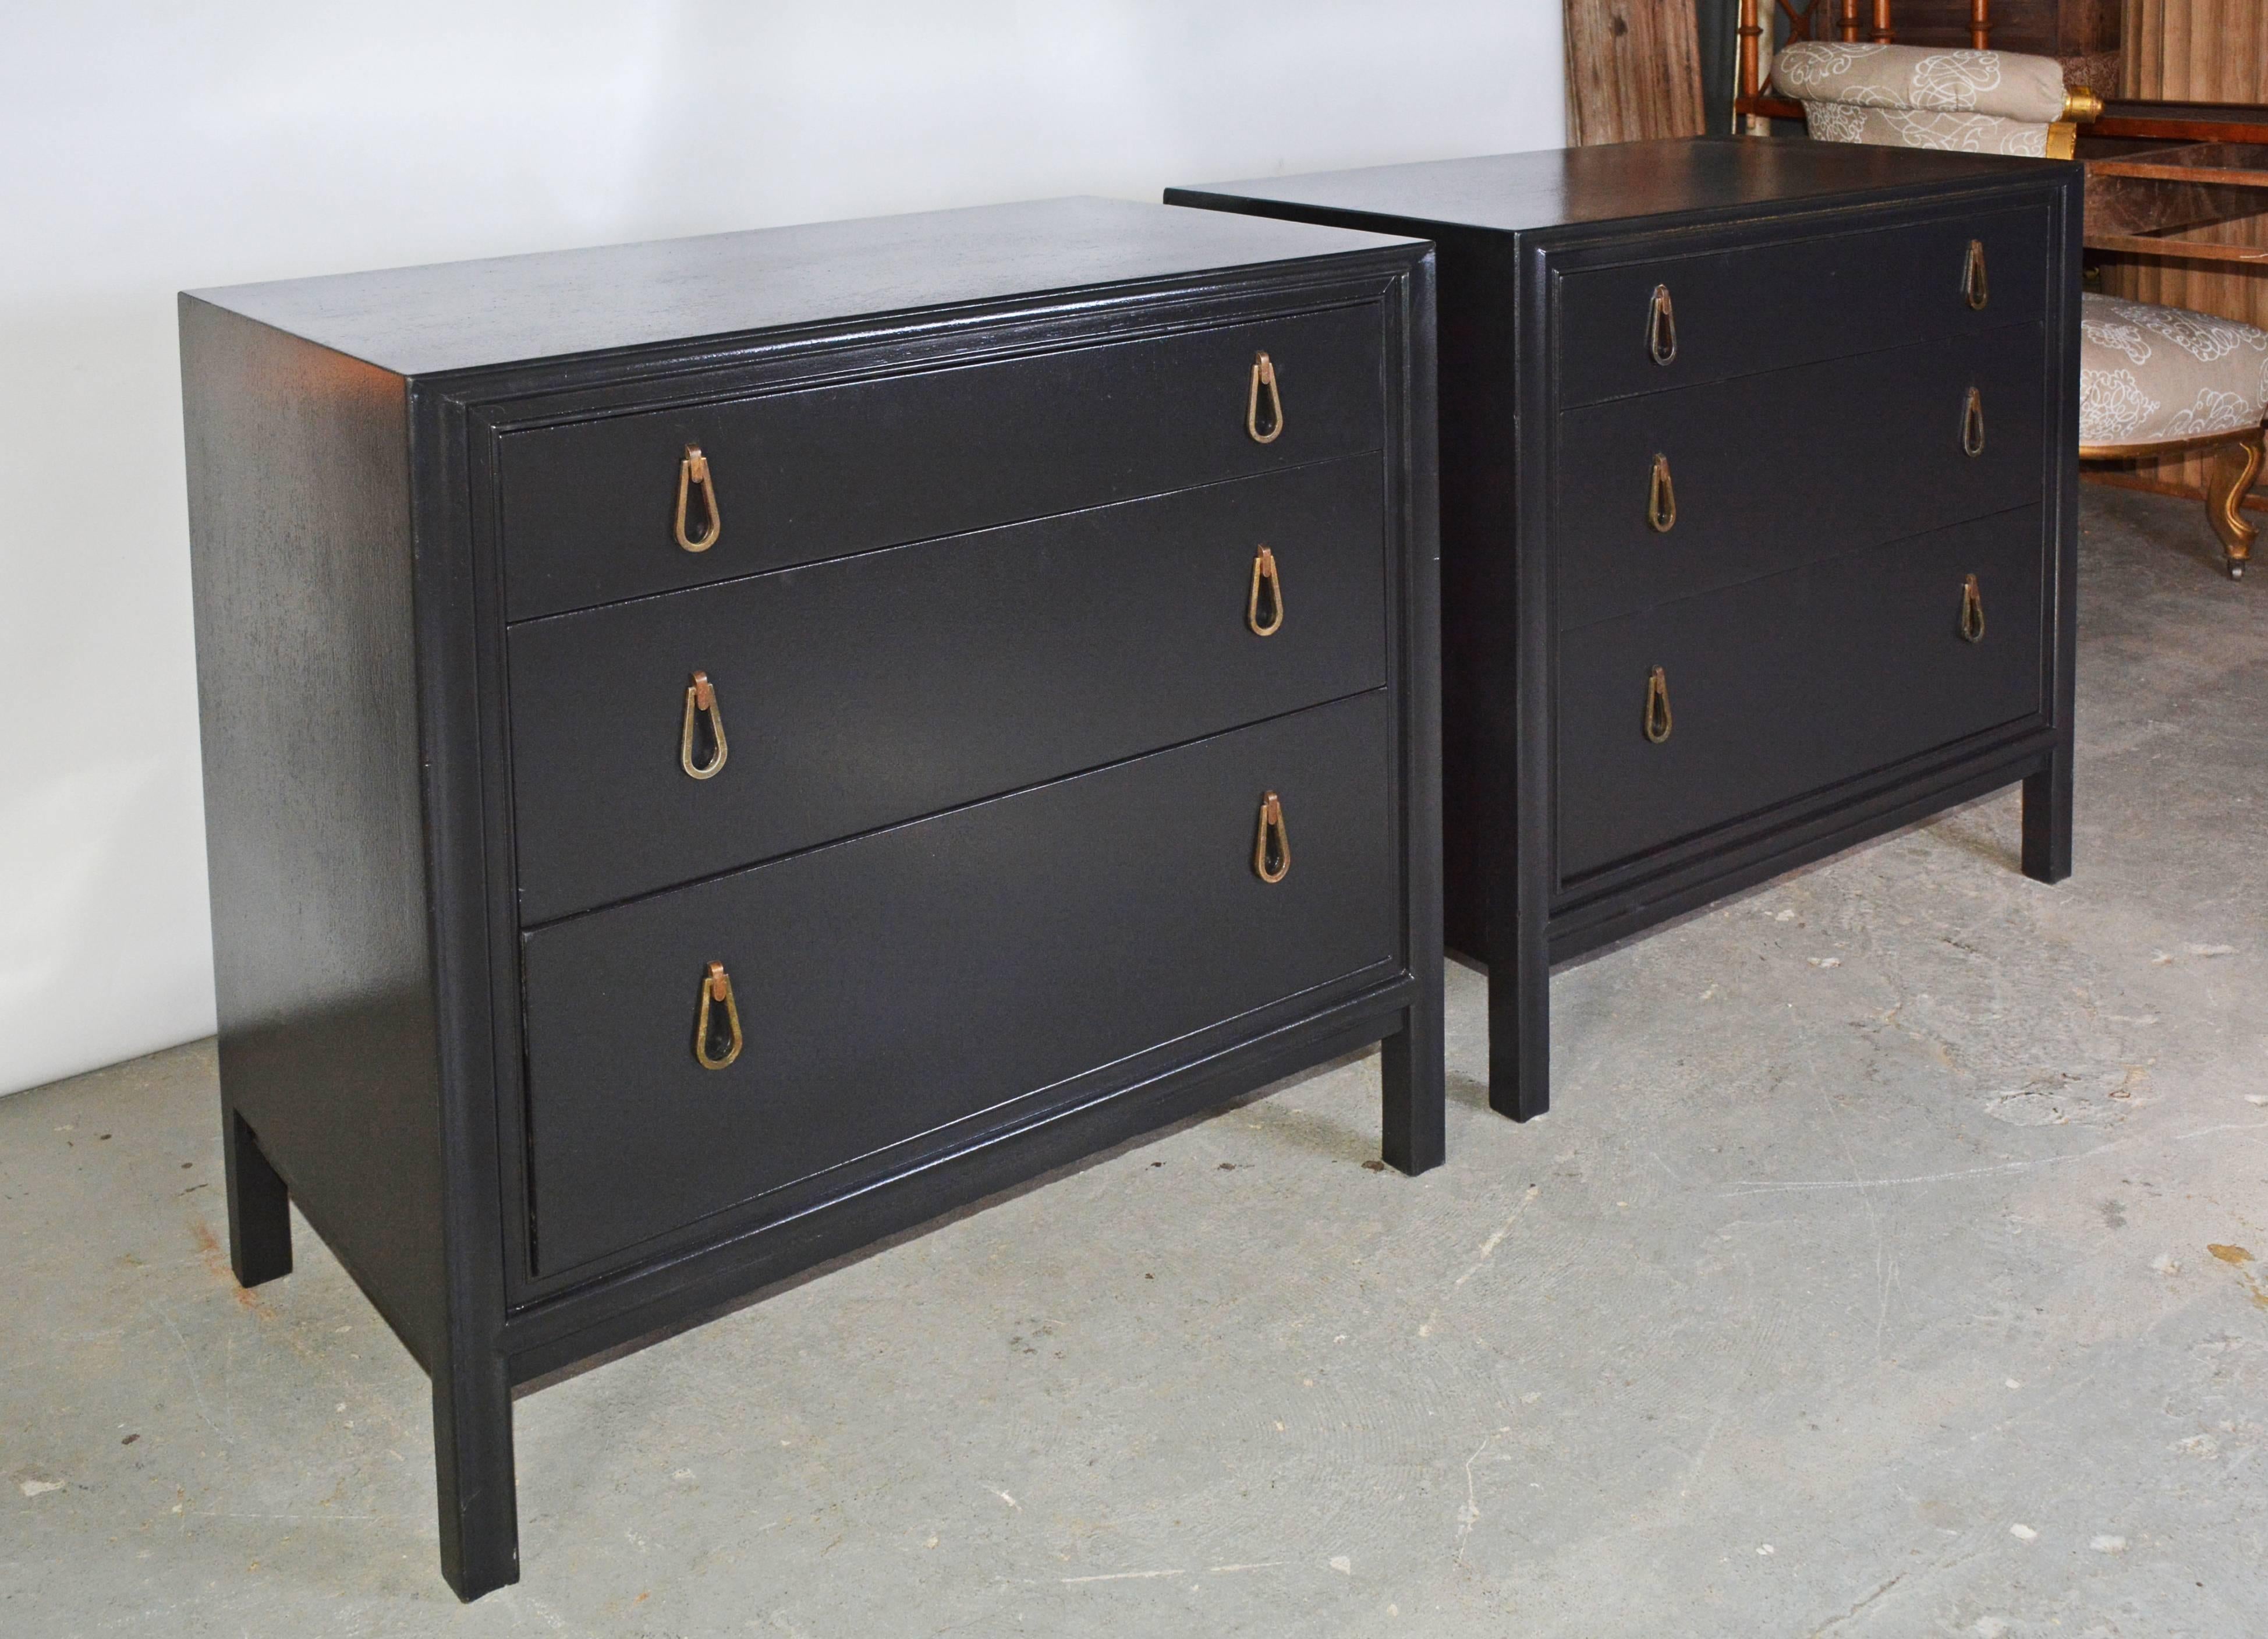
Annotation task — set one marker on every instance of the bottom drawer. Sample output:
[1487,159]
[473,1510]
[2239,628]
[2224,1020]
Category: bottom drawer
[889,986]
[1784,685]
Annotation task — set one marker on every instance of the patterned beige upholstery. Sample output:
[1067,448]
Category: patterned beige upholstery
[2148,374]
[1920,127]
[1906,96]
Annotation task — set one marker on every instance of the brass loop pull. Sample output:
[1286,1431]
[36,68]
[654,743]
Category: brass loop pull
[1657,706]
[1661,498]
[1264,374]
[1661,327]
[1263,611]
[694,470]
[717,1036]
[1272,849]
[701,700]
[1973,284]
[1972,611]
[1972,423]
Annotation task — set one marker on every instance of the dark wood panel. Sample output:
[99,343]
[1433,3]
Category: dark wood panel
[802,476]
[307,705]
[891,986]
[1788,684]
[1508,228]
[1883,459]
[1738,310]
[1653,188]
[879,688]
[667,294]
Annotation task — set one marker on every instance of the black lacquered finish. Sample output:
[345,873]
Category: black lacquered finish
[719,751]
[944,972]
[892,685]
[1758,490]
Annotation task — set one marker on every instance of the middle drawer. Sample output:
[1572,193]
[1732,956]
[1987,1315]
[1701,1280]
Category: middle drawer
[1765,472]
[874,688]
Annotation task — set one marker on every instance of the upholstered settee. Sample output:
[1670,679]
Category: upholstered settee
[1912,97]
[2153,380]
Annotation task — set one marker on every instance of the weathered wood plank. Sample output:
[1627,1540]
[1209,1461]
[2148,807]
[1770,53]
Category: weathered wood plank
[1633,71]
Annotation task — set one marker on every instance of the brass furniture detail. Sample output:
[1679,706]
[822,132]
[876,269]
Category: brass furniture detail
[1972,611]
[1661,498]
[1973,283]
[700,700]
[717,990]
[1264,374]
[691,471]
[1972,423]
[1661,327]
[1266,578]
[1271,847]
[1658,722]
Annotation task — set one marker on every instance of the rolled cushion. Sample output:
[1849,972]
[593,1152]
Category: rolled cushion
[2147,374]
[2006,85]
[1917,128]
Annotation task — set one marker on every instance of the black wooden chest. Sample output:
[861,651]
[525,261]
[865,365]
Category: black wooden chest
[1758,477]
[718,750]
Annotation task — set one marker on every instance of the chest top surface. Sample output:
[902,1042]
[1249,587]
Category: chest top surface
[505,310]
[1521,193]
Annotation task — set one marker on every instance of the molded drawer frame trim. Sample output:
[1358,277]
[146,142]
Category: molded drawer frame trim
[1527,922]
[1590,250]
[1553,255]
[462,415]
[1684,854]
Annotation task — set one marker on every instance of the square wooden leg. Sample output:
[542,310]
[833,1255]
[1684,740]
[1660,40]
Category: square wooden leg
[259,1206]
[479,1497]
[1411,1077]
[2047,821]
[1519,1030]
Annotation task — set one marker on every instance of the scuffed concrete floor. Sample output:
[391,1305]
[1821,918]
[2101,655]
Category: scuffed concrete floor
[1892,1264]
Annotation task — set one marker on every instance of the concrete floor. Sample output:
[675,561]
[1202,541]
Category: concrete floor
[1879,1272]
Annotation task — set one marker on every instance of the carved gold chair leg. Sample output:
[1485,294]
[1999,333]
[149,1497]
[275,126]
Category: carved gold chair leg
[2234,466]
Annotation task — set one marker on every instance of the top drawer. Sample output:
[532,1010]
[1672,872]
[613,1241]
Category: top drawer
[1795,301]
[799,475]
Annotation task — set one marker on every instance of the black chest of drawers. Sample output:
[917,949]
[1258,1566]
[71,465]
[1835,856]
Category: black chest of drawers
[716,751]
[1758,483]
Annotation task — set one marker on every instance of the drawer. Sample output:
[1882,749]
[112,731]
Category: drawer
[880,688]
[893,985]
[1786,685]
[589,510]
[1769,471]
[1765,307]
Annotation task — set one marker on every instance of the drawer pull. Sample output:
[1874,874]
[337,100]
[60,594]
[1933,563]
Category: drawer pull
[701,699]
[1264,374]
[1973,284]
[1272,849]
[692,470]
[1657,706]
[1661,498]
[1265,614]
[717,987]
[1661,327]
[1972,611]
[1972,423]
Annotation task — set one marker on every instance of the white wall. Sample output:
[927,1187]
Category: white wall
[147,147]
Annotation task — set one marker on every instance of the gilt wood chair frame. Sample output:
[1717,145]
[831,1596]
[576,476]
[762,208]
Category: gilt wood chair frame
[2238,456]
[1803,17]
